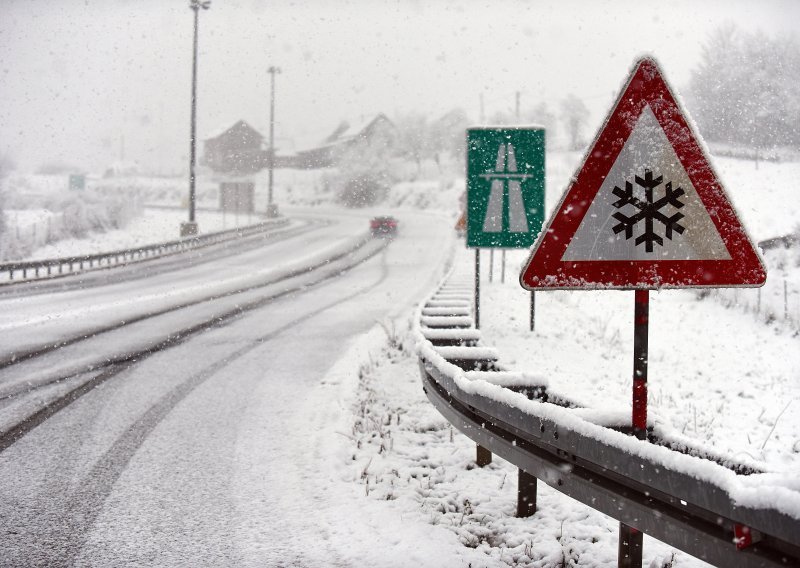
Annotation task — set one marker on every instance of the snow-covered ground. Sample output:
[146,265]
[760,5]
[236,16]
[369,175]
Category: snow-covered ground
[720,373]
[734,389]
[406,468]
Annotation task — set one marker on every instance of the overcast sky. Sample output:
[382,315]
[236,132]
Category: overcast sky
[78,76]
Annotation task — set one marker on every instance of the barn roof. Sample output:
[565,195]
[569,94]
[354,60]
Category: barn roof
[237,126]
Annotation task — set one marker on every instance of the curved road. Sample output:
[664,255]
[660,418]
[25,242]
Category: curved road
[194,454]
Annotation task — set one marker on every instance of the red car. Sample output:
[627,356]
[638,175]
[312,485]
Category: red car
[383,226]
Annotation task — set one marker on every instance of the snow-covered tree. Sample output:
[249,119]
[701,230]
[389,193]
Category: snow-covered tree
[447,135]
[574,115]
[744,89]
[7,165]
[413,138]
[362,175]
[541,114]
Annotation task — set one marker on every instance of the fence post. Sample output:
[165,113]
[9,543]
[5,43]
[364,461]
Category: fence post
[526,494]
[483,457]
[630,547]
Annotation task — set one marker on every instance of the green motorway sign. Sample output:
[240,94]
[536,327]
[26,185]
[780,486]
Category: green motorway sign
[505,186]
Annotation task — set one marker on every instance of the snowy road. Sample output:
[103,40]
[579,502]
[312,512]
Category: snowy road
[198,454]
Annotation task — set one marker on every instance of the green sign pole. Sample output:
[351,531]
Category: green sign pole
[505,190]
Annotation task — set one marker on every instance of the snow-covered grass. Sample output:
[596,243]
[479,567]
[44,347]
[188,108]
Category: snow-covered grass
[720,374]
[778,300]
[411,465]
[765,199]
[717,374]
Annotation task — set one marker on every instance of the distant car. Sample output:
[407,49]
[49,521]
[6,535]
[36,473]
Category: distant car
[383,226]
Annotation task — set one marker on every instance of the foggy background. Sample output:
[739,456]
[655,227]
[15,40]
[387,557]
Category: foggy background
[88,83]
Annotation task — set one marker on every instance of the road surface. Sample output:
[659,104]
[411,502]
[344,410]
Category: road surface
[190,448]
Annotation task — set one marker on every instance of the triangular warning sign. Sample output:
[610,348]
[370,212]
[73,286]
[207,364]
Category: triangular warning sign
[646,209]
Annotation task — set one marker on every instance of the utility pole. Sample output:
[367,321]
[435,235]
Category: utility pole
[533,294]
[189,228]
[272,209]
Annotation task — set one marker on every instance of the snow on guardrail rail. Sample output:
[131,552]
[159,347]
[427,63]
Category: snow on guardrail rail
[722,510]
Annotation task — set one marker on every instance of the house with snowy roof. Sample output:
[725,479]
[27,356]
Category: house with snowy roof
[236,150]
[378,129]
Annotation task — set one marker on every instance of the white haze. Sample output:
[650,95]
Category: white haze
[88,82]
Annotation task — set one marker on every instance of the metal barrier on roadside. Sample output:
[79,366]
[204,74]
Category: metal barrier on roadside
[685,496]
[48,268]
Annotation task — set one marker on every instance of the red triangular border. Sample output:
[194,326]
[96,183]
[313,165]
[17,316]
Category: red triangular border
[545,270]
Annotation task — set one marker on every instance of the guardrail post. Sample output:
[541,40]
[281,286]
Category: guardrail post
[630,547]
[526,494]
[483,457]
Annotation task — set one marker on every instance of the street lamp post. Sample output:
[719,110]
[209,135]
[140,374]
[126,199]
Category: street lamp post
[190,228]
[272,208]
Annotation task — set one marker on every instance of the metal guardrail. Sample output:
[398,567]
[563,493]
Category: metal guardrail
[785,241]
[48,268]
[652,488]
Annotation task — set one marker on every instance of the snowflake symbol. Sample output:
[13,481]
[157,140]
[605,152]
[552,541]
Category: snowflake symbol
[648,210]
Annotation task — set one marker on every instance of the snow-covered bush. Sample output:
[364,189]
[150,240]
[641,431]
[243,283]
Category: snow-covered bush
[362,190]
[40,211]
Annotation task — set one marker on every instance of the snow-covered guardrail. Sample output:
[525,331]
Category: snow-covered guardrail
[725,512]
[48,268]
[786,241]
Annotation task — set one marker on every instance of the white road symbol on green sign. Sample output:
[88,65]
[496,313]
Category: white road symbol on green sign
[505,171]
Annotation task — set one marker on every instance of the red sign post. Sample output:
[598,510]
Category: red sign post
[644,211]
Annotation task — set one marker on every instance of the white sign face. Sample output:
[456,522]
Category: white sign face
[647,208]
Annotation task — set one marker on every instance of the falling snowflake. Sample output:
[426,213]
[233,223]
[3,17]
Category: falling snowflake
[649,211]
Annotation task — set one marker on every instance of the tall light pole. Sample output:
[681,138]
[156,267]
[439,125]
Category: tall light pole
[190,228]
[272,209]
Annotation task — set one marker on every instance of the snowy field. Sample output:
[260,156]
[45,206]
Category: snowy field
[723,372]
[406,468]
[721,375]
